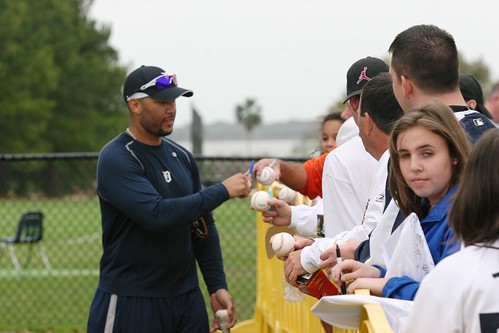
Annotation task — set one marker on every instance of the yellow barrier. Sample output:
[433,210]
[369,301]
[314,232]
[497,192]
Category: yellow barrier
[373,319]
[273,314]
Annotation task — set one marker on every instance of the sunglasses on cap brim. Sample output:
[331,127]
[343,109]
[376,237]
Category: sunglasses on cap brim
[161,82]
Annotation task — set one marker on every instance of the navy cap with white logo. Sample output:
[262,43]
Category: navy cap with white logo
[151,81]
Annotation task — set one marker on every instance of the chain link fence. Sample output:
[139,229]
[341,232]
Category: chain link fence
[48,286]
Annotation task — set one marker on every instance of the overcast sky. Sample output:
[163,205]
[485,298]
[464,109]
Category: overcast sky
[291,55]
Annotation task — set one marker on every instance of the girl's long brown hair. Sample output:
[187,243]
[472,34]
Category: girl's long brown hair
[474,214]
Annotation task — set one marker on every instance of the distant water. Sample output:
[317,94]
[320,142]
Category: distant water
[298,148]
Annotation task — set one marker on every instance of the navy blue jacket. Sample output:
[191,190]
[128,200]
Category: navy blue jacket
[149,197]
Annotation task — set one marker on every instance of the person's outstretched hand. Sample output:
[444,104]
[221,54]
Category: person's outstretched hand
[238,185]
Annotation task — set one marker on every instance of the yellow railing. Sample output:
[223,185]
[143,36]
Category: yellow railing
[373,319]
[273,314]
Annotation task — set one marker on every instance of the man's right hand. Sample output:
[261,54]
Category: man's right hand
[238,185]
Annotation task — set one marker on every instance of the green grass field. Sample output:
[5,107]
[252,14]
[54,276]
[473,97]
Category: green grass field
[59,302]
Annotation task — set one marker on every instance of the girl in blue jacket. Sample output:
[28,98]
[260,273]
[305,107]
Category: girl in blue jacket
[428,150]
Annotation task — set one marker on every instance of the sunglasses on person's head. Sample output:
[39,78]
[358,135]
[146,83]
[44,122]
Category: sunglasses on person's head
[161,82]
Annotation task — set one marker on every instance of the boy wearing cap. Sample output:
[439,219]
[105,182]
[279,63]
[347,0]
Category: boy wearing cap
[346,181]
[157,221]
[347,171]
[378,113]
[307,177]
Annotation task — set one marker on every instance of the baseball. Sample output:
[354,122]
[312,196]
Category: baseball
[267,176]
[223,319]
[259,201]
[283,243]
[287,194]
[222,315]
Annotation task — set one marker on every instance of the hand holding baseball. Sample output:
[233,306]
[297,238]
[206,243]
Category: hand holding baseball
[270,163]
[225,312]
[223,320]
[267,176]
[280,214]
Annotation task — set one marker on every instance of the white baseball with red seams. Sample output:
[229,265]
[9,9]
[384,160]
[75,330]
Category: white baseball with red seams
[267,176]
[259,201]
[283,243]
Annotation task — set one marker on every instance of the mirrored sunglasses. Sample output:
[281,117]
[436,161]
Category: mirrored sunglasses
[161,82]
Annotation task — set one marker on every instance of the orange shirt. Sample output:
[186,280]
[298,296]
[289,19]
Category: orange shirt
[314,167]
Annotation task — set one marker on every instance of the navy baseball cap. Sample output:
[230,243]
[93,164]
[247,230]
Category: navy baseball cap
[151,81]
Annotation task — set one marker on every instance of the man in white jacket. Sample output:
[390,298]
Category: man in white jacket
[377,112]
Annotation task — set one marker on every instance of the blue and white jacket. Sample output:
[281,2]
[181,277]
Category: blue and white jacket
[441,242]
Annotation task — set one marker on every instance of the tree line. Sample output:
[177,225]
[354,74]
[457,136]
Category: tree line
[60,90]
[60,85]
[59,79]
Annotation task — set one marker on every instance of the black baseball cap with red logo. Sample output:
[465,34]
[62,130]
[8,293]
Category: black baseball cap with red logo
[361,72]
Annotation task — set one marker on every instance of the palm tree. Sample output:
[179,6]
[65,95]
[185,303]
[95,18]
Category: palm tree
[248,114]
